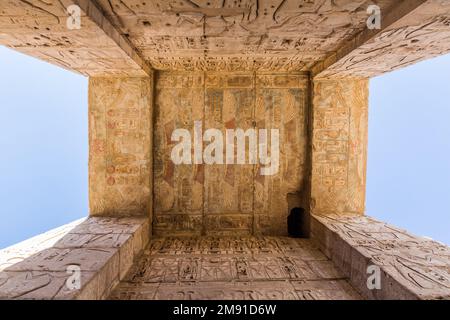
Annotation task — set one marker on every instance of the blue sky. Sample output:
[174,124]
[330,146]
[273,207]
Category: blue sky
[408,179]
[44,143]
[44,147]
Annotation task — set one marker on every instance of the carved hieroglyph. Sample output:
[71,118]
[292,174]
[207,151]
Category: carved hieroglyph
[40,29]
[120,144]
[102,249]
[339,146]
[247,268]
[422,31]
[222,199]
[411,267]
[128,37]
[269,35]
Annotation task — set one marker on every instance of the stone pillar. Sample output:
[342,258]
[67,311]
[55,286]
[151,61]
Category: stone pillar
[120,146]
[339,146]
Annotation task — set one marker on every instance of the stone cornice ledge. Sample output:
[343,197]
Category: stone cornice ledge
[94,12]
[103,248]
[410,267]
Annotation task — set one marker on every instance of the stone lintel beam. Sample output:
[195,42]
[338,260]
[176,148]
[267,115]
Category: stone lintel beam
[120,146]
[408,267]
[40,29]
[339,146]
[102,249]
[412,30]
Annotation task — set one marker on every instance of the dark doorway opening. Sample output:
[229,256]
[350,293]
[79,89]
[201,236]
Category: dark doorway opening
[297,221]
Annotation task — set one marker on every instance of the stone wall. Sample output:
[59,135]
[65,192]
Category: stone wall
[407,266]
[339,146]
[226,198]
[219,198]
[84,259]
[120,144]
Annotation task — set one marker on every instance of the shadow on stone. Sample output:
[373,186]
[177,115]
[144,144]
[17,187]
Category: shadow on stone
[297,223]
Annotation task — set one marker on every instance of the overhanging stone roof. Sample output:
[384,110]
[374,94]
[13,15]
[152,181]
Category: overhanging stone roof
[129,37]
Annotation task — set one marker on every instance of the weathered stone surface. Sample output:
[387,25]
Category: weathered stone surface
[339,146]
[53,259]
[324,290]
[39,28]
[233,268]
[120,144]
[411,267]
[127,37]
[226,198]
[27,248]
[109,225]
[246,35]
[43,285]
[102,248]
[412,31]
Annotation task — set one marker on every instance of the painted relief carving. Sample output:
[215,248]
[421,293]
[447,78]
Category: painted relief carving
[233,268]
[228,198]
[120,143]
[247,36]
[339,146]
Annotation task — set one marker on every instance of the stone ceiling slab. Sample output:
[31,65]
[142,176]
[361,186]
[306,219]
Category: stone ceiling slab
[413,31]
[130,37]
[39,28]
[282,35]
